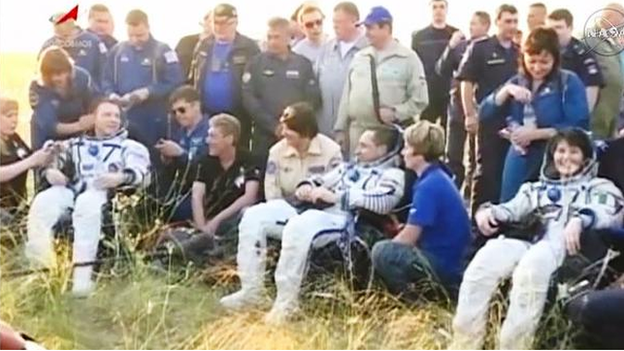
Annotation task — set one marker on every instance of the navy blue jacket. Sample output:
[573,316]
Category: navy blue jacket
[559,103]
[243,50]
[87,51]
[154,66]
[50,108]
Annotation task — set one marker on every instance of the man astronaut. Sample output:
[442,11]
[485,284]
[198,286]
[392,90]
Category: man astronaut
[87,171]
[373,183]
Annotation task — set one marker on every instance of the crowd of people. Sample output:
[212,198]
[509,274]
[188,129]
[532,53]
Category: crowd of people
[287,137]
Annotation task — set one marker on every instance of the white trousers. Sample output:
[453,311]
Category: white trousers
[46,210]
[259,222]
[531,265]
[312,227]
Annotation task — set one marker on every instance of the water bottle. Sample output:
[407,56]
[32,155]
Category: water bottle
[512,125]
[530,119]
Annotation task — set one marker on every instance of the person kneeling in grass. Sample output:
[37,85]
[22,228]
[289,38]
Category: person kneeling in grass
[431,246]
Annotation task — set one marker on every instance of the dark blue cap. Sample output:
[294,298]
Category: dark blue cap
[377,14]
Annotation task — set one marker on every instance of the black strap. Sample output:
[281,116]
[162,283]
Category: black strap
[376,103]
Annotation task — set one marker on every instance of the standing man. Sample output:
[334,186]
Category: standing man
[429,43]
[575,56]
[140,74]
[311,21]
[273,80]
[604,118]
[395,91]
[447,66]
[101,24]
[296,33]
[333,62]
[537,15]
[186,46]
[218,69]
[487,64]
[84,48]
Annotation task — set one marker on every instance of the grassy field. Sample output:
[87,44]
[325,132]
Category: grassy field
[134,308]
[16,73]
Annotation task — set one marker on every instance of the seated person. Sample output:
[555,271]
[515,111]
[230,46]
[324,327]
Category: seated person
[15,161]
[88,170]
[181,152]
[433,243]
[373,183]
[538,102]
[568,200]
[60,99]
[228,182]
[301,153]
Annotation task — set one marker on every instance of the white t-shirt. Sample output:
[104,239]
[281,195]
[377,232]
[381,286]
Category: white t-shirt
[345,47]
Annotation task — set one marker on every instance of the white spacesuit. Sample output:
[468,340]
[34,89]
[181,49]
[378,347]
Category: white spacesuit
[84,159]
[596,201]
[377,187]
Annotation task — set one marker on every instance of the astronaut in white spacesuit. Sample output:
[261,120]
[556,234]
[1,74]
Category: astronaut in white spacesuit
[569,199]
[373,183]
[94,165]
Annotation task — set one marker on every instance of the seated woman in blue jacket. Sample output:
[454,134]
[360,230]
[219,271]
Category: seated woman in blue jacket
[61,98]
[537,102]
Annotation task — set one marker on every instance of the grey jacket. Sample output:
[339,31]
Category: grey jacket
[402,87]
[331,71]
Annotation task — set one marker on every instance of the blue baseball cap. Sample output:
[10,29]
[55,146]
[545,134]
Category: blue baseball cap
[377,14]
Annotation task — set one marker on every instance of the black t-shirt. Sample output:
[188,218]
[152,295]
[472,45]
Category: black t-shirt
[223,187]
[13,192]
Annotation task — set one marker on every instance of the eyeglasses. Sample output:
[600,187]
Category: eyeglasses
[312,24]
[180,110]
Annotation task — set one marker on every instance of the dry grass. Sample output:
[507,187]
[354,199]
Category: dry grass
[133,308]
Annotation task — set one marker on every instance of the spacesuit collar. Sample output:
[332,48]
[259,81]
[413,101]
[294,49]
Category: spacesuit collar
[549,175]
[387,161]
[121,133]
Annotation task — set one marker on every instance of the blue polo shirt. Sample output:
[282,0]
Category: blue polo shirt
[218,85]
[438,208]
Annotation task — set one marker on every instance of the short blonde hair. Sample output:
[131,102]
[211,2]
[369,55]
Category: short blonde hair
[7,104]
[307,9]
[426,138]
[228,125]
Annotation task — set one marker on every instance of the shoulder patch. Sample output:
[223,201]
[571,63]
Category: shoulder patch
[171,57]
[271,167]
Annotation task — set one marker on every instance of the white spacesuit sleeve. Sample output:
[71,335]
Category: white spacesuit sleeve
[604,208]
[328,180]
[136,163]
[381,198]
[516,209]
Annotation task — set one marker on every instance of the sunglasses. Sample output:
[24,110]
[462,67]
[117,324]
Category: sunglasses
[312,24]
[180,110]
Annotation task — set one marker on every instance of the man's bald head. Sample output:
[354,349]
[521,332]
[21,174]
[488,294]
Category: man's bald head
[612,15]
[63,30]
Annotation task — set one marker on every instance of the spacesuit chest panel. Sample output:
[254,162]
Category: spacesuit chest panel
[96,157]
